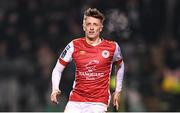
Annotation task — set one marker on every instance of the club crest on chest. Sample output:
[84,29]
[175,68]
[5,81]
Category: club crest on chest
[105,54]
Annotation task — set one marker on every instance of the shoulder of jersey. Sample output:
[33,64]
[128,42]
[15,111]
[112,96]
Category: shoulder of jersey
[78,39]
[109,41]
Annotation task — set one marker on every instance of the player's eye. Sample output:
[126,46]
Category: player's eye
[88,24]
[95,24]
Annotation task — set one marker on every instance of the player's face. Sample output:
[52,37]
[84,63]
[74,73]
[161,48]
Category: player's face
[92,27]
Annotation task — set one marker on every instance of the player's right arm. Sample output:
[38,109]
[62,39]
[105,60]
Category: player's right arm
[65,57]
[119,68]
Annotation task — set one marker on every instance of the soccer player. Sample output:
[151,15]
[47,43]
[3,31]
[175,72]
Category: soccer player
[93,57]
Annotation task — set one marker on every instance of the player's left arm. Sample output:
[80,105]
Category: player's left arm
[119,71]
[119,68]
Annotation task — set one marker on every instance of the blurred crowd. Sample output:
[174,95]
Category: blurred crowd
[33,33]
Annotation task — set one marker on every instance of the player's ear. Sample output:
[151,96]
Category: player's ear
[101,28]
[83,27]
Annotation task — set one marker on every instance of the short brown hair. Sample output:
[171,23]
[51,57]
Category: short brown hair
[93,12]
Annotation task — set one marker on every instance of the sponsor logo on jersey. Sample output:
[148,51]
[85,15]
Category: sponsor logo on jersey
[63,54]
[91,65]
[68,47]
[82,52]
[90,74]
[105,53]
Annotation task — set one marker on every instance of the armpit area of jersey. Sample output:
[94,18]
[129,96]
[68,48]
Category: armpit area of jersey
[118,62]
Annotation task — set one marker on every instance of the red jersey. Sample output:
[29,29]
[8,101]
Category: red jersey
[93,69]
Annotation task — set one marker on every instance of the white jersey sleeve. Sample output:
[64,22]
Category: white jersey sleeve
[56,76]
[117,54]
[66,55]
[117,58]
[119,77]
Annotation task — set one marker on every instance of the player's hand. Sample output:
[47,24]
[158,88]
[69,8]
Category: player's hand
[116,100]
[54,96]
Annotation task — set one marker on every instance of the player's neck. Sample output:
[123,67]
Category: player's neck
[94,41]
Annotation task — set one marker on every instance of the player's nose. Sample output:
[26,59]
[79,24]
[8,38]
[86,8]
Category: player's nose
[91,28]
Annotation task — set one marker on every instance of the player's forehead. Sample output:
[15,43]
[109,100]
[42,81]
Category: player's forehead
[90,19]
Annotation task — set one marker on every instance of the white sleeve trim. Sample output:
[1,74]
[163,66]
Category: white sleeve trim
[66,55]
[56,75]
[117,54]
[119,77]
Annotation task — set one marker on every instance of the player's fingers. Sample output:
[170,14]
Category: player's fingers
[114,102]
[57,95]
[117,105]
[56,98]
[53,98]
[55,101]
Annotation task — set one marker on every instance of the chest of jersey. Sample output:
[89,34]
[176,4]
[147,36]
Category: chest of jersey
[92,56]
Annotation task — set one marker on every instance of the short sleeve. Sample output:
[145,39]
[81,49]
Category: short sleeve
[66,55]
[117,58]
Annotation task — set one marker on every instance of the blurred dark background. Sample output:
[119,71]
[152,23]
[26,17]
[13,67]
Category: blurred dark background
[33,33]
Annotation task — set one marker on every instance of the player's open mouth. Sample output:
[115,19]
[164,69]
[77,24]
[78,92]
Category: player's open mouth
[91,32]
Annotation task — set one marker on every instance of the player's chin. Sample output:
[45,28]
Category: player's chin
[91,36]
